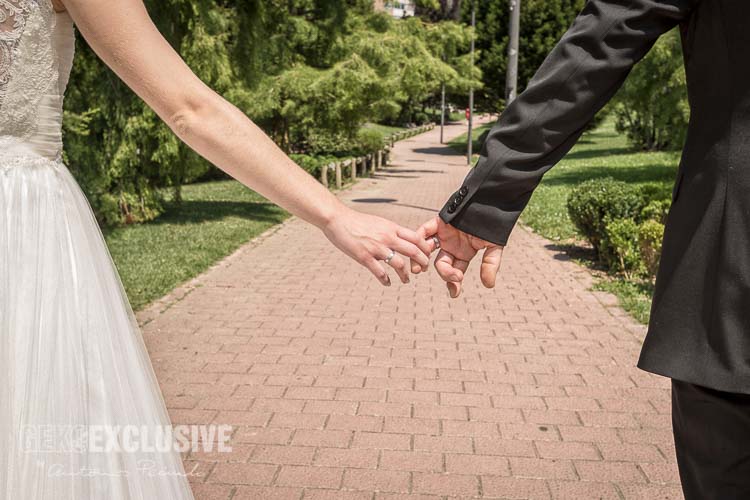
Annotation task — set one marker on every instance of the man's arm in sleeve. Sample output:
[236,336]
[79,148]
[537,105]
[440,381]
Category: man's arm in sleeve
[579,76]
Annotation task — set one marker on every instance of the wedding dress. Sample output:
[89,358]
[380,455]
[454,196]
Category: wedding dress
[71,354]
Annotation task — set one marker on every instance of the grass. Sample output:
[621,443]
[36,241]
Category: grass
[386,130]
[213,220]
[459,143]
[634,297]
[599,153]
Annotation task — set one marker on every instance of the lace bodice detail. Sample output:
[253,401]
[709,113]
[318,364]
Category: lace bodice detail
[36,53]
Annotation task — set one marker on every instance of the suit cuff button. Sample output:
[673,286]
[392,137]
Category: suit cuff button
[463,191]
[452,208]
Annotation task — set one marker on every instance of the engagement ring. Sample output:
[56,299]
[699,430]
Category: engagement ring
[390,256]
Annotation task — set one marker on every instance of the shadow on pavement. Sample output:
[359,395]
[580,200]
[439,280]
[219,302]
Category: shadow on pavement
[392,201]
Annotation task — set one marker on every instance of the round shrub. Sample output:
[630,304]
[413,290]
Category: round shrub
[369,141]
[656,210]
[312,164]
[420,117]
[621,246]
[650,236]
[596,201]
[655,191]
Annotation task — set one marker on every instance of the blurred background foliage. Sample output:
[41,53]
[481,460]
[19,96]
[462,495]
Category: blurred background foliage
[311,73]
[314,73]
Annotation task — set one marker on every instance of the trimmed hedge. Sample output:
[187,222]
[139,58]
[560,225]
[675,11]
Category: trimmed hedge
[624,223]
[594,202]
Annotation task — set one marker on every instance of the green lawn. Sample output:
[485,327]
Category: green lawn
[599,153]
[459,143]
[214,219]
[386,130]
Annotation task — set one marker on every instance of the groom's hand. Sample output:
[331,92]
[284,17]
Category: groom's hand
[456,251]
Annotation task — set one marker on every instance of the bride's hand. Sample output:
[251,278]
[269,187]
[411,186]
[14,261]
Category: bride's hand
[369,240]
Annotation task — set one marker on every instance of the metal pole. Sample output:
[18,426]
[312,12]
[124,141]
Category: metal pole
[442,112]
[511,76]
[471,89]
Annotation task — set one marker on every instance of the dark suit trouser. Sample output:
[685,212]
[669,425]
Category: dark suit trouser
[712,439]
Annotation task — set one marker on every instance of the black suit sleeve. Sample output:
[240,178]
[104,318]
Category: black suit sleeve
[581,73]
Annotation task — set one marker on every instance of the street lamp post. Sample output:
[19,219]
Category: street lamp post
[471,88]
[442,112]
[511,75]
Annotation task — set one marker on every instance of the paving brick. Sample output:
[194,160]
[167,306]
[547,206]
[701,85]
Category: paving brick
[457,444]
[411,425]
[612,471]
[535,432]
[504,447]
[267,493]
[542,468]
[311,494]
[450,484]
[630,452]
[464,463]
[355,423]
[381,440]
[306,476]
[567,450]
[346,457]
[515,488]
[234,473]
[411,461]
[328,438]
[576,490]
[380,480]
[589,434]
[632,491]
[285,455]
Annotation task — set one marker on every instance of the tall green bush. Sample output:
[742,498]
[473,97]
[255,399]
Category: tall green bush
[621,242]
[650,236]
[652,107]
[624,223]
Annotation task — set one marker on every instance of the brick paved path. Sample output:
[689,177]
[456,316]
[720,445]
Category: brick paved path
[339,388]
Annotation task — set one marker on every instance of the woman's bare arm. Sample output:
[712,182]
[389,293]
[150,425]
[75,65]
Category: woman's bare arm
[124,37]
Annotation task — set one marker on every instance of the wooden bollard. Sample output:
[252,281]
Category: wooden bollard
[324,174]
[353,164]
[339,182]
[378,159]
[347,163]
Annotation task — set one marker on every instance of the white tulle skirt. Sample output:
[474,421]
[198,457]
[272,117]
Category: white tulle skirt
[73,367]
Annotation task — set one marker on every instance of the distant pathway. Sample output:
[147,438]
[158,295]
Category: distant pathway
[339,388]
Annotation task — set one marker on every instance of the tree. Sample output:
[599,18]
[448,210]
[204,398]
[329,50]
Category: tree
[652,106]
[309,72]
[439,10]
[543,22]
